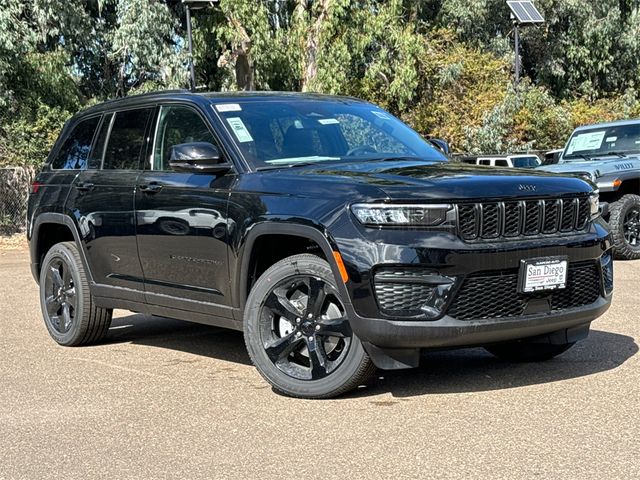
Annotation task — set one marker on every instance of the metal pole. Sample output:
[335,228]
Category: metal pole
[517,35]
[192,71]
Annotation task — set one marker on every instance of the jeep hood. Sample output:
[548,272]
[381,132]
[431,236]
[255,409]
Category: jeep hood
[418,180]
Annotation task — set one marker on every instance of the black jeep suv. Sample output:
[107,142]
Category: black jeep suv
[328,231]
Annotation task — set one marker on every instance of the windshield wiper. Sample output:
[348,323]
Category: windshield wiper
[583,156]
[609,154]
[287,165]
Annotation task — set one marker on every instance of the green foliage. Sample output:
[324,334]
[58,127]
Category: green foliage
[27,139]
[444,66]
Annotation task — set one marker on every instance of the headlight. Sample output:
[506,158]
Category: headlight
[594,203]
[401,215]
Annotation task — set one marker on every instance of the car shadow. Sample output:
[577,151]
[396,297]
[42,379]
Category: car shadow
[203,340]
[456,371]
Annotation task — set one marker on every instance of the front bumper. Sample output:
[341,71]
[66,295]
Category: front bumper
[365,253]
[451,333]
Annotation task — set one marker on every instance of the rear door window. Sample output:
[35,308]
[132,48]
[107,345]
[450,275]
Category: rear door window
[95,159]
[74,152]
[502,163]
[127,140]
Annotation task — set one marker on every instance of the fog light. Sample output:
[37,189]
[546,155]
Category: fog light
[437,300]
[412,293]
[606,262]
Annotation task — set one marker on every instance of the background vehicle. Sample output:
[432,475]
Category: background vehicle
[608,154]
[330,233]
[510,161]
[552,157]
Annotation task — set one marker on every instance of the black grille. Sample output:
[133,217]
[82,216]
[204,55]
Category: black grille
[513,219]
[495,294]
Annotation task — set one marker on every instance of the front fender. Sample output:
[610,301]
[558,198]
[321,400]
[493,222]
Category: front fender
[310,230]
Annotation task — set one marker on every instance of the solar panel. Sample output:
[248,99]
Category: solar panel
[525,12]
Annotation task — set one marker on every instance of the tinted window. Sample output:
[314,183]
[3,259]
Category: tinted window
[126,140]
[526,162]
[502,163]
[95,159]
[75,150]
[177,125]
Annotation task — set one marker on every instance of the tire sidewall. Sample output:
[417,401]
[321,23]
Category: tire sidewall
[62,252]
[335,381]
[616,222]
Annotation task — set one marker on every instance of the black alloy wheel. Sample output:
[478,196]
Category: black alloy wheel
[624,221]
[70,313]
[304,328]
[298,334]
[60,295]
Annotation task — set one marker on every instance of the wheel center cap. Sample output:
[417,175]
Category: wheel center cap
[307,328]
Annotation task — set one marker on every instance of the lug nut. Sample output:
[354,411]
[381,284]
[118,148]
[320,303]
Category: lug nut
[317,327]
[309,316]
[310,338]
[297,320]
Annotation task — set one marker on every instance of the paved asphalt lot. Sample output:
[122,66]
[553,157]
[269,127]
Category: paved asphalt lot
[168,399]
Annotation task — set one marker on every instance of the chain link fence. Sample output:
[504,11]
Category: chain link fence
[14,191]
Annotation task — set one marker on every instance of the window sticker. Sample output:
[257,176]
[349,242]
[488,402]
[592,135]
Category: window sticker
[611,139]
[328,121]
[241,132]
[381,115]
[228,107]
[586,141]
[297,124]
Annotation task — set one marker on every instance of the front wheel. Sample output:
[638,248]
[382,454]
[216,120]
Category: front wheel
[521,352]
[625,227]
[297,332]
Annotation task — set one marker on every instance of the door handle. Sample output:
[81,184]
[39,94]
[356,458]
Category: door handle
[152,187]
[85,186]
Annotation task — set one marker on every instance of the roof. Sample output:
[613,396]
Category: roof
[213,97]
[608,125]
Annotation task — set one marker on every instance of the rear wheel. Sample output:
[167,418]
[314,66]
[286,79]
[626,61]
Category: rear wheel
[523,351]
[625,227]
[297,333]
[69,312]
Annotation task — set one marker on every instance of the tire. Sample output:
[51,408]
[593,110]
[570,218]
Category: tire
[626,230]
[297,332]
[70,315]
[522,352]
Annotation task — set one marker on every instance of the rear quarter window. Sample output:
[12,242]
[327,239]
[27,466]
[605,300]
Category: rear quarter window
[74,152]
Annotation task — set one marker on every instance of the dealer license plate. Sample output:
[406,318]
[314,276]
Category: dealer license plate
[538,274]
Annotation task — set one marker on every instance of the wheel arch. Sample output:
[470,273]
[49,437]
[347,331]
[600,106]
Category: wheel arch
[303,233]
[48,229]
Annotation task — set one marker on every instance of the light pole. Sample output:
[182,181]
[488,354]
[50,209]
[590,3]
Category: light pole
[194,5]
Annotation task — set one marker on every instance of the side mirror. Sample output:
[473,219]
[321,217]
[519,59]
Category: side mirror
[441,145]
[197,157]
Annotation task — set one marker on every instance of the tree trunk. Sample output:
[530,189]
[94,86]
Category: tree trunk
[243,64]
[312,44]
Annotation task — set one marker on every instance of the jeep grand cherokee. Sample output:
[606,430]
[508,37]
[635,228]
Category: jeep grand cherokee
[334,236]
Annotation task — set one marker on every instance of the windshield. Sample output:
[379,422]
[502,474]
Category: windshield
[598,142]
[525,162]
[283,133]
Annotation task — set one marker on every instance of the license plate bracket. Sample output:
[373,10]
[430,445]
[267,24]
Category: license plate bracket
[543,274]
